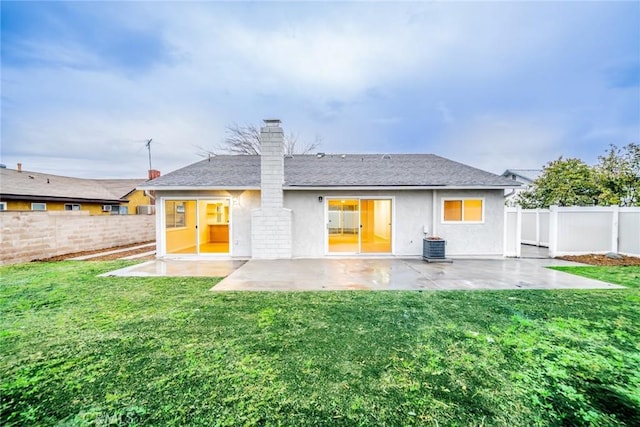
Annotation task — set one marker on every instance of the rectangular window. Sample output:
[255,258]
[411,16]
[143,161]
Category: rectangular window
[175,214]
[38,206]
[453,210]
[71,207]
[463,210]
[3,206]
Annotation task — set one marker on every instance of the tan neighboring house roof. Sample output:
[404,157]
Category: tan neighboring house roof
[28,185]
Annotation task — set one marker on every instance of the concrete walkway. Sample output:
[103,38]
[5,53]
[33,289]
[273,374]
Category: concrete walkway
[151,245]
[179,268]
[402,274]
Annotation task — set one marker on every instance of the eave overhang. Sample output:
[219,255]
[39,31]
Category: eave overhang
[196,188]
[328,187]
[403,187]
[36,198]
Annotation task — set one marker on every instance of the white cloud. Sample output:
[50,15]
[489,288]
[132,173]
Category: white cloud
[496,143]
[436,69]
[320,52]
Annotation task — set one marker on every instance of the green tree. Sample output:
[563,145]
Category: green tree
[618,176]
[563,182]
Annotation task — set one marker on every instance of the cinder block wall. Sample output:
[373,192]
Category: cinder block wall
[27,236]
[271,224]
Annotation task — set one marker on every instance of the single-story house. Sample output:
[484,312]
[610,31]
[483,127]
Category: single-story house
[277,206]
[22,190]
[523,176]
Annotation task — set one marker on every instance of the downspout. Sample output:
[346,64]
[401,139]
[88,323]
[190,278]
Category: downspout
[434,213]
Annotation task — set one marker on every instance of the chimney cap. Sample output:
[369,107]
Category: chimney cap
[272,122]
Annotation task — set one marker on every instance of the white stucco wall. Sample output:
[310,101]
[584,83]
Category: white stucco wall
[482,239]
[412,212]
[241,234]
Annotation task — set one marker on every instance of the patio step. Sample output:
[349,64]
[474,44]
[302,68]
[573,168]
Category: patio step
[115,251]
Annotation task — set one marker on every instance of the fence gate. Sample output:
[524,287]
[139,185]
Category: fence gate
[512,231]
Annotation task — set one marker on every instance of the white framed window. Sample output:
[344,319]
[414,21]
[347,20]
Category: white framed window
[38,206]
[71,207]
[115,210]
[3,206]
[463,210]
[175,213]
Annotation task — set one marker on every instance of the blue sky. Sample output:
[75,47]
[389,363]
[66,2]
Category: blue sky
[492,84]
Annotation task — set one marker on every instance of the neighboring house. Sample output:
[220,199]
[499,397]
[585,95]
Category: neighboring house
[33,191]
[523,176]
[272,206]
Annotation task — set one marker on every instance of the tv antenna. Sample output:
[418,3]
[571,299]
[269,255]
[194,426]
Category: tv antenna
[148,145]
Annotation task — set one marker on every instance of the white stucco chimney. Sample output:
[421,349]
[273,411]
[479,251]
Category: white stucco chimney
[271,223]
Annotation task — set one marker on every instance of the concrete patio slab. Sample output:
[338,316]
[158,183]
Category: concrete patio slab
[170,267]
[402,274]
[370,274]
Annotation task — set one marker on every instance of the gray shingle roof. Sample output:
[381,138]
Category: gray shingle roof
[528,174]
[332,170]
[35,184]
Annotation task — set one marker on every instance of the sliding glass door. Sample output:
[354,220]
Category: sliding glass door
[197,226]
[343,226]
[375,231]
[359,225]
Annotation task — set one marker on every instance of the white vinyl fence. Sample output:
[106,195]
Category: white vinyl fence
[535,227]
[512,231]
[574,230]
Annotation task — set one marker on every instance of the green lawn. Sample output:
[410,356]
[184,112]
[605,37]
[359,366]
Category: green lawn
[627,276]
[76,349]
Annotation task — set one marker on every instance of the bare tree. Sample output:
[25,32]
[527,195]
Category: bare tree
[246,140]
[242,139]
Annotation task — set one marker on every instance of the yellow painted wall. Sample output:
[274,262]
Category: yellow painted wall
[183,239]
[204,228]
[137,198]
[21,205]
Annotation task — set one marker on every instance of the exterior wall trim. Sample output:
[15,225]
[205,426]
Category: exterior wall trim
[394,188]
